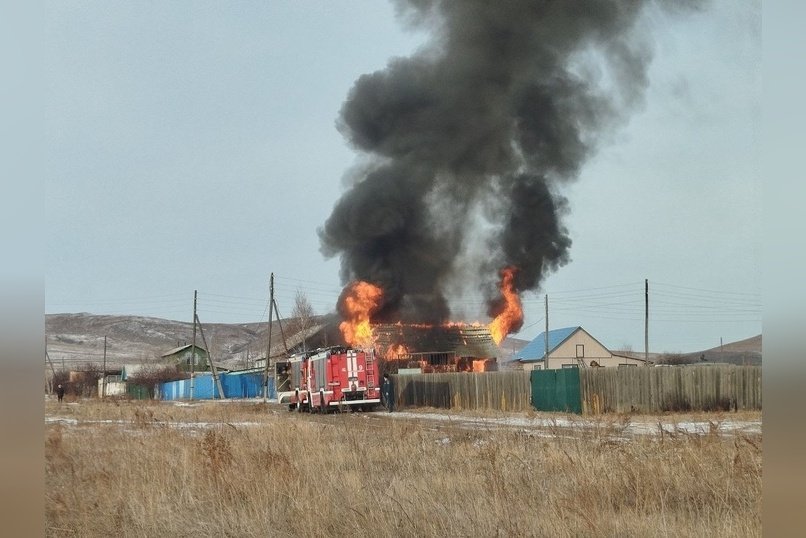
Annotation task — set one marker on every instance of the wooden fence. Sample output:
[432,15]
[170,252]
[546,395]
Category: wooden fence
[601,390]
[503,391]
[674,388]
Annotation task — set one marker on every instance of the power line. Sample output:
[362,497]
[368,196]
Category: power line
[753,294]
[327,284]
[552,293]
[618,302]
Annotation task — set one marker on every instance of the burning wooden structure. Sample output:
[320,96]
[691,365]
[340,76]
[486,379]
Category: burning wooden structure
[427,348]
[436,348]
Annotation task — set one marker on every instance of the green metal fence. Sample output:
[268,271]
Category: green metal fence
[138,392]
[556,390]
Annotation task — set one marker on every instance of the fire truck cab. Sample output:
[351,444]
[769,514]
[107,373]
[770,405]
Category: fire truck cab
[334,378]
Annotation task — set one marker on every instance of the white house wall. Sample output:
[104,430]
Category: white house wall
[605,362]
[593,350]
[566,354]
[113,388]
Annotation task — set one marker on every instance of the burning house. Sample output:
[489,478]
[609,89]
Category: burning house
[440,348]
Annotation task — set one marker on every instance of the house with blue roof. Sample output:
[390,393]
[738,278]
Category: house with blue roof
[570,347]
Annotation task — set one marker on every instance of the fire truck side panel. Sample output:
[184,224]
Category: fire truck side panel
[334,366]
[317,372]
[296,374]
[332,377]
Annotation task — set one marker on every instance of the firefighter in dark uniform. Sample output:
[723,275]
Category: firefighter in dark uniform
[386,392]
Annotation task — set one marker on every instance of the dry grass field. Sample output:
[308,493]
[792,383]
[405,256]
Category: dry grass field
[245,469]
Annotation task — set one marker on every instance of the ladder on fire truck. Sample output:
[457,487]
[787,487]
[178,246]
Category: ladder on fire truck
[370,358]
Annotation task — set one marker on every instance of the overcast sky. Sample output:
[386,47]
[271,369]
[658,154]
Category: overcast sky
[193,146]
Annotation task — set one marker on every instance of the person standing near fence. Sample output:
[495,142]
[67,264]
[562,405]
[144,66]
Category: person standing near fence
[386,392]
[60,393]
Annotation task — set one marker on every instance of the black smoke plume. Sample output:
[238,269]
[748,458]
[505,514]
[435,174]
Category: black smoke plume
[504,104]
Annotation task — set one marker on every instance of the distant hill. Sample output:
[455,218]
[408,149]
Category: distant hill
[75,339]
[747,351]
[748,345]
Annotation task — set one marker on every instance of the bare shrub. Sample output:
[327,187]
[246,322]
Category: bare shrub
[674,359]
[143,418]
[302,317]
[216,450]
[274,463]
[83,381]
[150,376]
[60,377]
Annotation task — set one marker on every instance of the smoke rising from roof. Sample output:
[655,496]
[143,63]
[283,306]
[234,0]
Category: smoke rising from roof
[504,104]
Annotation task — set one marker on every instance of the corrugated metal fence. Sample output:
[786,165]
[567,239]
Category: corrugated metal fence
[234,385]
[504,391]
[674,388]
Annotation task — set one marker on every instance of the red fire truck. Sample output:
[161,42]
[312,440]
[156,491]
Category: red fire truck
[331,378]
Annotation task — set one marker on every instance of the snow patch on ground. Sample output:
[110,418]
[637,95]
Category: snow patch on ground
[727,427]
[543,427]
[156,424]
[61,420]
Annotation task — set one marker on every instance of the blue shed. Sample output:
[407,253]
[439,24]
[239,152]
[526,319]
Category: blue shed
[234,384]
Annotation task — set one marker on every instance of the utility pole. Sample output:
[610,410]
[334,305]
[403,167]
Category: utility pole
[213,369]
[103,383]
[268,345]
[280,323]
[193,346]
[546,362]
[646,320]
[52,370]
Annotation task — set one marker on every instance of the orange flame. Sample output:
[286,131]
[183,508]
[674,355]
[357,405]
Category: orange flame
[479,365]
[511,317]
[394,352]
[359,301]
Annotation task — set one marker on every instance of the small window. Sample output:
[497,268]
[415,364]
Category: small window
[580,351]
[626,365]
[570,366]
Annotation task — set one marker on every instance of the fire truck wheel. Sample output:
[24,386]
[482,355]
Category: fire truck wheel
[299,403]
